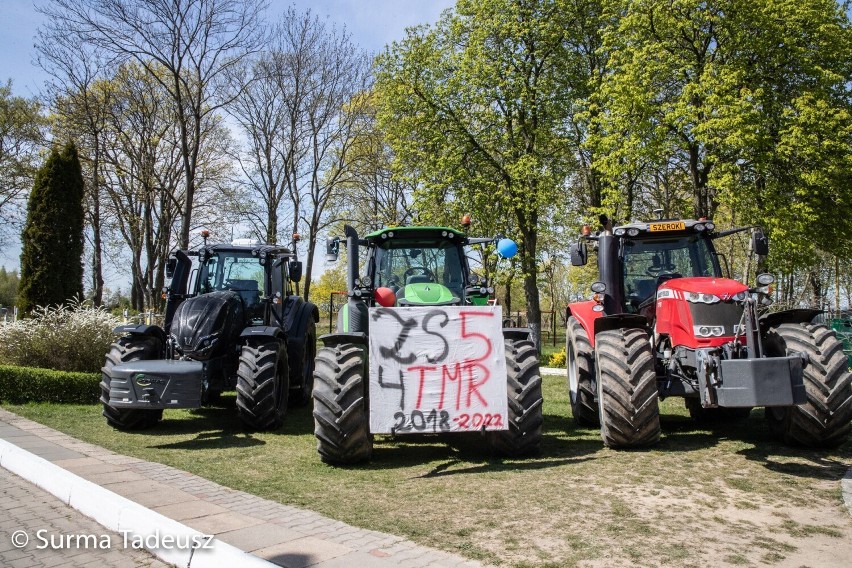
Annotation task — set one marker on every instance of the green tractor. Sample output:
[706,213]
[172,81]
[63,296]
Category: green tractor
[420,349]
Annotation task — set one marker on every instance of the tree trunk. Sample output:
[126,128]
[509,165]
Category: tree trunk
[530,272]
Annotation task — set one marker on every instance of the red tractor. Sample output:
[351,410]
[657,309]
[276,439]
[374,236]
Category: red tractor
[665,322]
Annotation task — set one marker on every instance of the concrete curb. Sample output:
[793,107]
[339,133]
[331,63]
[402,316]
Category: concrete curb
[552,371]
[124,516]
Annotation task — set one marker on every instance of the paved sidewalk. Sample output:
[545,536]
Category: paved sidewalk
[284,535]
[31,510]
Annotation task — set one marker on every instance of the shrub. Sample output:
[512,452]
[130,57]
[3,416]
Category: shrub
[557,359]
[65,338]
[19,385]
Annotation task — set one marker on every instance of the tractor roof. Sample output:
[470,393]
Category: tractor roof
[250,248]
[416,234]
[662,227]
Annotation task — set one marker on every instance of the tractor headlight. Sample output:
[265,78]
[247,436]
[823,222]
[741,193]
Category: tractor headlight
[740,296]
[699,227]
[366,281]
[633,232]
[765,279]
[618,232]
[598,287]
[708,330]
[699,298]
[710,226]
[474,279]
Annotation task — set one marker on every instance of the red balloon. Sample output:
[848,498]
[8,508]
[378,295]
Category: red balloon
[385,297]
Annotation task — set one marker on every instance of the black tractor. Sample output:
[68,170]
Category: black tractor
[232,321]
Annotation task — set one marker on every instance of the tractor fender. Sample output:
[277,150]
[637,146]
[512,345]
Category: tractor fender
[799,315]
[335,339]
[297,313]
[620,321]
[263,332]
[516,333]
[141,329]
[583,313]
[297,326]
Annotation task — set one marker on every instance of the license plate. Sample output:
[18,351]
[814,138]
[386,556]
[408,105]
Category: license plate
[675,226]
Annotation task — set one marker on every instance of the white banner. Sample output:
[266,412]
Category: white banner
[437,369]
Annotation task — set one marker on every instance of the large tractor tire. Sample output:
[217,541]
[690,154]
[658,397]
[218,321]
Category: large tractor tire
[302,370]
[580,361]
[341,422]
[825,420]
[263,385]
[627,388]
[127,349]
[523,385]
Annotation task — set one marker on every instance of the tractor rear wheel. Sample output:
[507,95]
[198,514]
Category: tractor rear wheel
[341,422]
[127,349]
[627,388]
[523,385]
[580,360]
[302,372]
[263,385]
[824,420]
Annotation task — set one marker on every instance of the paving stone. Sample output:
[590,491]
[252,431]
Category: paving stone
[259,536]
[302,552]
[223,522]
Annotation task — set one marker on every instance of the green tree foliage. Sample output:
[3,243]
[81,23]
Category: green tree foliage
[51,260]
[8,287]
[748,100]
[477,110]
[21,134]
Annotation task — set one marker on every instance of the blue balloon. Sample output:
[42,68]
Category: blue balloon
[507,248]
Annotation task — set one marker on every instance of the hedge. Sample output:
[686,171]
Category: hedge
[19,385]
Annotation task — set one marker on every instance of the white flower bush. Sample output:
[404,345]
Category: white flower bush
[75,337]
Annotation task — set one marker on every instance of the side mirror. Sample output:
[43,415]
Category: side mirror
[507,248]
[295,270]
[579,254]
[171,264]
[759,242]
[332,249]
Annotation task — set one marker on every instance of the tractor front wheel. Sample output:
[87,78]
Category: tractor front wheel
[580,363]
[628,400]
[823,421]
[523,385]
[263,385]
[127,349]
[341,422]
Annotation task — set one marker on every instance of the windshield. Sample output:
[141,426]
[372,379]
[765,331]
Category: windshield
[399,264]
[237,271]
[645,261]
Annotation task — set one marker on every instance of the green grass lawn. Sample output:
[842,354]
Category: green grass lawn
[752,500]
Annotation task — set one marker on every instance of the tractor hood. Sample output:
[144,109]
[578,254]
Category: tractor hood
[205,325]
[426,294]
[723,288]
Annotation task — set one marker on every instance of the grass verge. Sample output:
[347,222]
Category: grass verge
[730,495]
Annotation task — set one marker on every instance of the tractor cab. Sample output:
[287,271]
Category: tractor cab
[651,256]
[422,266]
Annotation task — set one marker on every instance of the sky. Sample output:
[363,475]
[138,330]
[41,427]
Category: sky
[372,23]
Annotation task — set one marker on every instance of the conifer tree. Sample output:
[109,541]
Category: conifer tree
[51,259]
